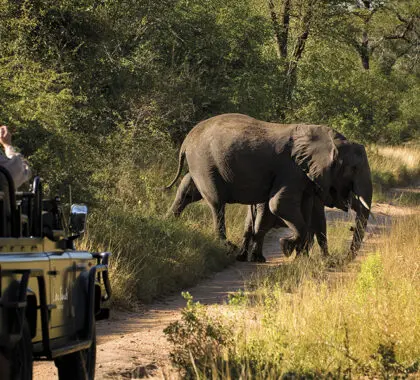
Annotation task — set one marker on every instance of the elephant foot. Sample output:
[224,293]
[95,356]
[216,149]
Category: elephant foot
[258,259]
[242,256]
[287,246]
[302,252]
[232,248]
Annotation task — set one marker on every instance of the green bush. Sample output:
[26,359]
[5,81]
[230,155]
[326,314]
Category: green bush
[202,345]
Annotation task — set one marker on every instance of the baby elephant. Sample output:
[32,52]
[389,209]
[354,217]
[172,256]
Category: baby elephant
[260,220]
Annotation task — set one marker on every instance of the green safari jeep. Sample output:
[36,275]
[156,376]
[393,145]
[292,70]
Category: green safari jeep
[50,293]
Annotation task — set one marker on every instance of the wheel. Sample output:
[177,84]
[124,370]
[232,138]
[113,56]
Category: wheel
[78,365]
[20,358]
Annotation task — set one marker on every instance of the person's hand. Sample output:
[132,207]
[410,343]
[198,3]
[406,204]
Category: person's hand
[5,136]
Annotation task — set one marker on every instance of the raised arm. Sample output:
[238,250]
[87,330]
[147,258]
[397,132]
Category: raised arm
[14,162]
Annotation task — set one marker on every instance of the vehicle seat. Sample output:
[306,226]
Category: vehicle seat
[7,203]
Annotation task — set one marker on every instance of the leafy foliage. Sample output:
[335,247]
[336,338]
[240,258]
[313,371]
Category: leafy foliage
[100,93]
[200,341]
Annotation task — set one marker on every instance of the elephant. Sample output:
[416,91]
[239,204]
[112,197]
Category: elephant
[257,223]
[234,158]
[260,220]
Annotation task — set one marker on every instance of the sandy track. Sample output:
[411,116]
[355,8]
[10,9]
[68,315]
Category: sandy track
[132,345]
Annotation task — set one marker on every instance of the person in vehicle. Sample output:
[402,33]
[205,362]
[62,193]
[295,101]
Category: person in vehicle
[13,161]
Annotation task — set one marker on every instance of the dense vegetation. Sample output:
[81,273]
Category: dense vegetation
[99,94]
[94,87]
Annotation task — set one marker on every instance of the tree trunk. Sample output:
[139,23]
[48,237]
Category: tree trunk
[281,31]
[364,51]
[285,28]
[276,26]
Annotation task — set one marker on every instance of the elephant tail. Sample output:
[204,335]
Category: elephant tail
[180,165]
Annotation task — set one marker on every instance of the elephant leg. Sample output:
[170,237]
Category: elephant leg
[264,221]
[247,237]
[319,225]
[286,203]
[257,224]
[187,193]
[307,210]
[218,213]
[288,245]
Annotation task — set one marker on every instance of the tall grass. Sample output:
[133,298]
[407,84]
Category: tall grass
[393,166]
[153,255]
[363,324]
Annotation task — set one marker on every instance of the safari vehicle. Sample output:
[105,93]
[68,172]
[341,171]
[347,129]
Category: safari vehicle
[50,293]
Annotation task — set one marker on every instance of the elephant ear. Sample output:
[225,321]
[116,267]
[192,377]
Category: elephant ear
[314,151]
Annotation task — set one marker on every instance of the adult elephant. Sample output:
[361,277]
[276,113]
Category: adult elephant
[233,158]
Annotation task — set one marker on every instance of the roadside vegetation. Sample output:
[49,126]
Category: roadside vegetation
[305,320]
[394,166]
[155,255]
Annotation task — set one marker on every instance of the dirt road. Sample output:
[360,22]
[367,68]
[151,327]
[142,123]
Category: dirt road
[132,345]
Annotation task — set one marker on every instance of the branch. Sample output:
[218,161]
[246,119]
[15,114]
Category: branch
[276,25]
[409,26]
[301,41]
[286,23]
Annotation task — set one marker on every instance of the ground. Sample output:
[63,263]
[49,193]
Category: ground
[132,345]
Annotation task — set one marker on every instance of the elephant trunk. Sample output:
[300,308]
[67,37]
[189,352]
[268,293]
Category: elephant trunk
[361,203]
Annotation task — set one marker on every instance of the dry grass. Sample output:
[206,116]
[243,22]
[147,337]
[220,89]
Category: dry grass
[408,155]
[393,166]
[297,323]
[363,326]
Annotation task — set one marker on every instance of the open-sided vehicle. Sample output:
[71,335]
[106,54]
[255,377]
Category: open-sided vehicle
[50,293]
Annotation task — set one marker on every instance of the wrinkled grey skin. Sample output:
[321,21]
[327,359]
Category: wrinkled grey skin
[233,158]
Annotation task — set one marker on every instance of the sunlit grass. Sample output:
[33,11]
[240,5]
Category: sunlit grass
[298,321]
[408,155]
[393,166]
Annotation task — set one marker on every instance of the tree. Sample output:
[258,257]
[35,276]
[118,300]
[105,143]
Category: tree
[370,25]
[293,22]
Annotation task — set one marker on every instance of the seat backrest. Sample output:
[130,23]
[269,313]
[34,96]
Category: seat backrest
[7,204]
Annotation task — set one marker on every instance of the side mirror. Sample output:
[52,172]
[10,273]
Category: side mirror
[78,215]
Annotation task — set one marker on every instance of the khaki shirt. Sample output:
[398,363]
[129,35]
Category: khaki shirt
[16,165]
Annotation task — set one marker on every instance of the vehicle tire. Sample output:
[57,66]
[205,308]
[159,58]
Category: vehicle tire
[21,356]
[78,365]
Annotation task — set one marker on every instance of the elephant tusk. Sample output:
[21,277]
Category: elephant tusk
[364,204]
[362,201]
